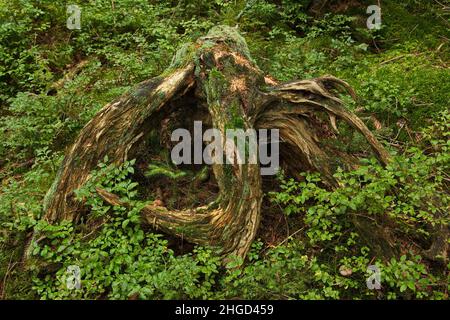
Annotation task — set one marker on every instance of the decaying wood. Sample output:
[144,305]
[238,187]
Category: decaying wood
[229,85]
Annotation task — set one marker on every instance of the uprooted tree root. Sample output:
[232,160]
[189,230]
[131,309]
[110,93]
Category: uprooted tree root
[219,74]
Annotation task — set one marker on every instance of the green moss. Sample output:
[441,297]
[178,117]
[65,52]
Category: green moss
[414,20]
[236,115]
[215,87]
[231,37]
[182,57]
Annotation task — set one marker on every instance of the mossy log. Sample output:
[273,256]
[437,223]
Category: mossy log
[218,71]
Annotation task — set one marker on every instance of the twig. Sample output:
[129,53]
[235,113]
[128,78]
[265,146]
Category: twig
[285,240]
[393,59]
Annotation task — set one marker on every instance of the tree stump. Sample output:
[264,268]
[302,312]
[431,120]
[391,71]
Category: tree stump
[219,73]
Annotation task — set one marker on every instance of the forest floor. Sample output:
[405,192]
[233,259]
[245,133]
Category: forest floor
[311,243]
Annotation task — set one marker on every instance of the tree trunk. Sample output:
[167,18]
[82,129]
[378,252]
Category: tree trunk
[224,80]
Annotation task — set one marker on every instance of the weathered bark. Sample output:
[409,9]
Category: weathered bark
[230,86]
[113,132]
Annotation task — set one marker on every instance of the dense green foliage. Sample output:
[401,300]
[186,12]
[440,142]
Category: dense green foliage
[53,80]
